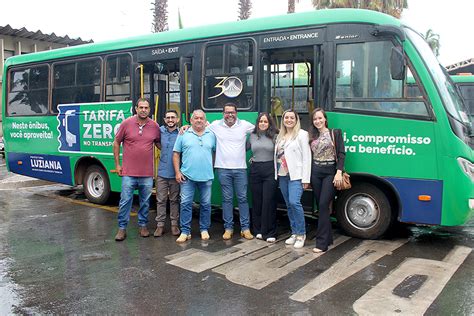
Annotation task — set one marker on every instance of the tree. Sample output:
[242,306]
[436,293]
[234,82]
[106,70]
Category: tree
[392,7]
[244,9]
[160,16]
[291,5]
[433,41]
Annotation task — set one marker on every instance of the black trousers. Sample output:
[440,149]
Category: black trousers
[264,188]
[324,192]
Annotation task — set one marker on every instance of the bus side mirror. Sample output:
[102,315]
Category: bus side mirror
[397,64]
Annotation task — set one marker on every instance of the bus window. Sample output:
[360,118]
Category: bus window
[240,57]
[467,94]
[76,82]
[290,85]
[162,86]
[28,91]
[364,82]
[229,75]
[117,79]
[214,59]
[412,86]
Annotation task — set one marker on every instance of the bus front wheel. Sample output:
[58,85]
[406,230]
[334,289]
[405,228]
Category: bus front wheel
[96,185]
[364,211]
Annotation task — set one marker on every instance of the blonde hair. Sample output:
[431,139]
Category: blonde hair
[284,133]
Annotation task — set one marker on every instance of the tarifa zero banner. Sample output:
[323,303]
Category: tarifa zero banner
[88,129]
[41,147]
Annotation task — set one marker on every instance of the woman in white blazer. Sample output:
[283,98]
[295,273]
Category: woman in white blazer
[293,171]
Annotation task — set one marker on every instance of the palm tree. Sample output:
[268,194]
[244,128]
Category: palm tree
[291,5]
[160,16]
[244,9]
[392,7]
[433,41]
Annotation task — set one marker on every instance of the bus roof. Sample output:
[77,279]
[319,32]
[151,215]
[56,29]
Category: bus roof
[463,78]
[311,18]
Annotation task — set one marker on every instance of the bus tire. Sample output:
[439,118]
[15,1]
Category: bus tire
[96,185]
[364,211]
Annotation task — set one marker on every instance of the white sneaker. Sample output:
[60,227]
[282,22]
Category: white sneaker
[271,239]
[291,240]
[259,236]
[299,243]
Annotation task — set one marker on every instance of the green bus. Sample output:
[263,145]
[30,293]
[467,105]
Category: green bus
[410,156]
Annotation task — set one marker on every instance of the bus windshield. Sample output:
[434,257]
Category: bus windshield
[451,100]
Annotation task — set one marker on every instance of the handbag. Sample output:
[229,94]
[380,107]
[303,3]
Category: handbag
[346,178]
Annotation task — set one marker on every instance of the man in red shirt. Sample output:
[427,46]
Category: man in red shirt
[138,135]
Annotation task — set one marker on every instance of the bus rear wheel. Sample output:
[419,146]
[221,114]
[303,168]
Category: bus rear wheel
[364,211]
[96,185]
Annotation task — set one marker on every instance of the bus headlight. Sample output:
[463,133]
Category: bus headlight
[467,167]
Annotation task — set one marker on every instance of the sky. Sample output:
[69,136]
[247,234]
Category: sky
[102,20]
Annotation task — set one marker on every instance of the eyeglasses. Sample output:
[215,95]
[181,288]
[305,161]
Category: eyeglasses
[170,118]
[230,112]
[140,129]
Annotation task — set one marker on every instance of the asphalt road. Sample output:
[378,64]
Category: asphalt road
[58,255]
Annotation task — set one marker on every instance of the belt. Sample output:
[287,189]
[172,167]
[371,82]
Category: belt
[324,163]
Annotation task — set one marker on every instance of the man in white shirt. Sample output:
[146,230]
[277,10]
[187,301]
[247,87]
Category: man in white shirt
[231,134]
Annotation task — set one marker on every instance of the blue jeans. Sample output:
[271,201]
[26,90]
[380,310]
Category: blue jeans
[144,186]
[292,192]
[231,179]
[187,196]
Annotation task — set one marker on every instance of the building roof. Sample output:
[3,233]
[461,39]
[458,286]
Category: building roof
[40,36]
[465,66]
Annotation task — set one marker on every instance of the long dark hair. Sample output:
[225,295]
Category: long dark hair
[271,131]
[313,131]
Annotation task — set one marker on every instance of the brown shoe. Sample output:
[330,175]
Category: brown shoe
[246,234]
[227,234]
[121,235]
[175,230]
[160,230]
[183,238]
[143,231]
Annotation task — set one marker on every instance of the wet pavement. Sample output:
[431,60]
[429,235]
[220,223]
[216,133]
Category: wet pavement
[58,255]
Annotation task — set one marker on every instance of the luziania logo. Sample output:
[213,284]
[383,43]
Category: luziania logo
[231,87]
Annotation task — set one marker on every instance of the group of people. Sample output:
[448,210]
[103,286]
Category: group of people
[289,158]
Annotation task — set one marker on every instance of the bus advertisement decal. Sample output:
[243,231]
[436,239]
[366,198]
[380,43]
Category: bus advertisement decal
[47,167]
[90,128]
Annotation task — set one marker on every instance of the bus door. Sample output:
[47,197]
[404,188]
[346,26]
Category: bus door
[290,76]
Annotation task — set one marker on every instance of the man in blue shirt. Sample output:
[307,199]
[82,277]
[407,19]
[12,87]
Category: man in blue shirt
[195,150]
[166,185]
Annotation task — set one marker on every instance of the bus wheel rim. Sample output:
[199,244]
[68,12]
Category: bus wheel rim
[362,211]
[95,184]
